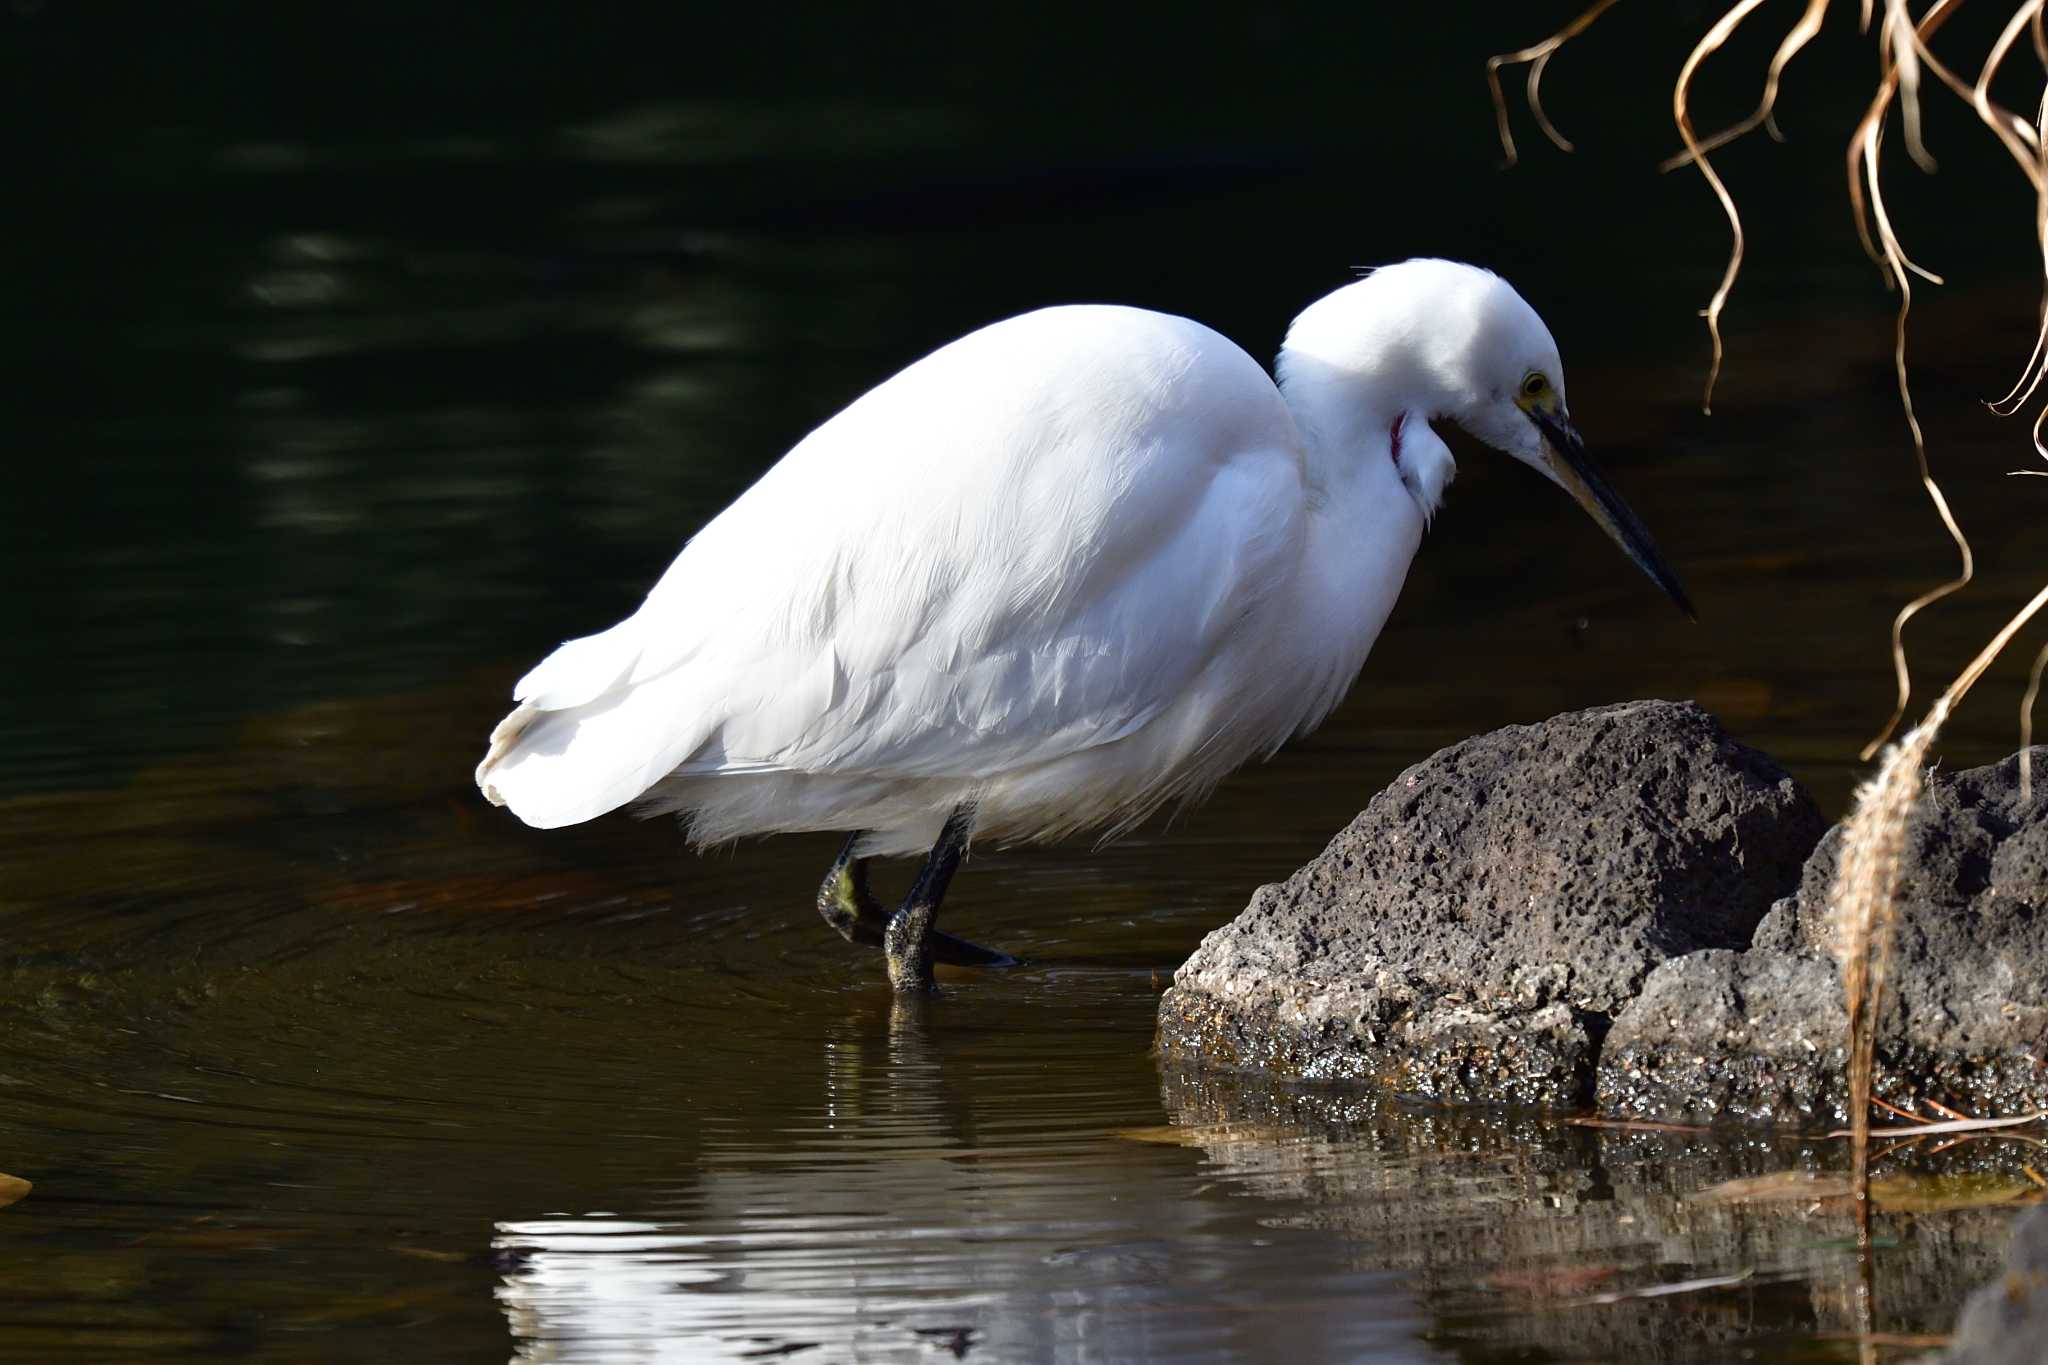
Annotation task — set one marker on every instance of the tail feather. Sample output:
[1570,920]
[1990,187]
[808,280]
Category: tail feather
[581,670]
[503,737]
[562,767]
[585,738]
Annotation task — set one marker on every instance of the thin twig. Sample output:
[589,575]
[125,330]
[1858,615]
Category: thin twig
[1802,33]
[1870,131]
[2027,728]
[1659,1291]
[1537,56]
[1946,1126]
[1865,152]
[2015,132]
[1636,1125]
[1897,36]
[1715,37]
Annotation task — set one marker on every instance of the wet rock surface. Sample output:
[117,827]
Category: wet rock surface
[1759,1035]
[1472,933]
[2005,1322]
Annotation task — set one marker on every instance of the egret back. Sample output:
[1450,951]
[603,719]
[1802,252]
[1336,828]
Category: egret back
[1027,545]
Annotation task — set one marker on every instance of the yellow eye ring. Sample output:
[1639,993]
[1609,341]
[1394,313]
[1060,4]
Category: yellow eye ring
[1534,385]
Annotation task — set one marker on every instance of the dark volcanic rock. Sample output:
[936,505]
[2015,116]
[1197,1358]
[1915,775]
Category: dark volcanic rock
[1760,1035]
[2006,1322]
[1473,930]
[1755,1036]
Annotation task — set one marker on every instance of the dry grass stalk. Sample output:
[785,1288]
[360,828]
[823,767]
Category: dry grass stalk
[1800,35]
[1906,46]
[1920,1130]
[2031,375]
[1862,906]
[1680,115]
[1537,56]
[1661,1291]
[1902,42]
[1915,1129]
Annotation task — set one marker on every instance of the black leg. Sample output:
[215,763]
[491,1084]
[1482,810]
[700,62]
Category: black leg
[847,904]
[908,940]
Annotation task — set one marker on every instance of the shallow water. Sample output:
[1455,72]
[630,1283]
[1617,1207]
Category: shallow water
[332,416]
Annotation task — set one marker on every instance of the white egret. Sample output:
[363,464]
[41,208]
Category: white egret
[1061,571]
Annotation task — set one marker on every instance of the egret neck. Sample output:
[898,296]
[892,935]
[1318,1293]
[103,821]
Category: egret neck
[1376,472]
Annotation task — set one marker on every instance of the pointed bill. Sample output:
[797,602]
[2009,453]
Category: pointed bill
[1573,472]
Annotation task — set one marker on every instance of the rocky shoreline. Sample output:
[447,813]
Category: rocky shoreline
[1622,908]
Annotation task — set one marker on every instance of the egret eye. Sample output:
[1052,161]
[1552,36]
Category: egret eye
[1534,385]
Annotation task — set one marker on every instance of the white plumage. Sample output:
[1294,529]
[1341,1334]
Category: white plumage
[1069,567]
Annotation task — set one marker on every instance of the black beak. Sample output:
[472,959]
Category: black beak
[1583,482]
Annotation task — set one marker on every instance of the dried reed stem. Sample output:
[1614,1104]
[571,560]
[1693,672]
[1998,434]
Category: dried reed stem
[1895,34]
[1764,115]
[1538,56]
[1900,79]
[1926,1128]
[2027,728]
[2036,368]
[1908,50]
[1715,37]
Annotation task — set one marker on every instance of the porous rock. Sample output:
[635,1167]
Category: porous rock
[1471,933]
[1760,1035]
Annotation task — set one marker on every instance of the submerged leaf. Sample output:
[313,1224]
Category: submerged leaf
[1777,1186]
[1946,1193]
[1552,1281]
[1891,1194]
[1205,1134]
[1660,1291]
[431,1254]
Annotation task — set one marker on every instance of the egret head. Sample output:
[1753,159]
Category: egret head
[1455,342]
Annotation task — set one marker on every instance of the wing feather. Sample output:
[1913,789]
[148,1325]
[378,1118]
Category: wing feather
[1024,545]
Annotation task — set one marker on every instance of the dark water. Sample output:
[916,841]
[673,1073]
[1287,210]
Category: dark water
[354,362]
